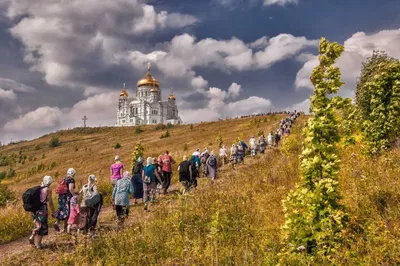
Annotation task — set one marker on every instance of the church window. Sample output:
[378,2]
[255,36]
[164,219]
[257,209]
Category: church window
[123,121]
[173,112]
[136,110]
[146,93]
[131,120]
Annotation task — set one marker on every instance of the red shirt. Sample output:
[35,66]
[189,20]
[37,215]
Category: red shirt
[167,161]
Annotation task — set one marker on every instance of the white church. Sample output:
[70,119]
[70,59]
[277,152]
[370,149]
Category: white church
[146,106]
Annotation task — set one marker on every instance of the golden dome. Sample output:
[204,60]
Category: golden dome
[123,93]
[148,80]
[172,97]
[154,89]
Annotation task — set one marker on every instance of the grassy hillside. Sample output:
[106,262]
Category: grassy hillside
[237,220]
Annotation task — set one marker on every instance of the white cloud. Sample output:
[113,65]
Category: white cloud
[357,49]
[260,43]
[281,47]
[7,95]
[280,2]
[71,41]
[303,106]
[234,90]
[42,117]
[221,105]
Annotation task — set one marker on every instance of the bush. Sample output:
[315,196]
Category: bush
[185,147]
[15,223]
[54,142]
[3,175]
[5,195]
[37,147]
[191,126]
[165,135]
[169,125]
[117,146]
[260,133]
[160,127]
[137,152]
[11,173]
[138,130]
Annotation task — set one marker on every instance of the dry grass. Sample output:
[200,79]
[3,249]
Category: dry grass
[237,220]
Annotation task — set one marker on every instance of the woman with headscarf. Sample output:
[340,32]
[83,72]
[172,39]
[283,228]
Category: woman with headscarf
[41,216]
[90,212]
[212,164]
[233,159]
[65,190]
[149,176]
[159,185]
[116,170]
[120,197]
[137,180]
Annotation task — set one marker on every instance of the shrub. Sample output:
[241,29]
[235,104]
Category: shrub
[260,133]
[191,126]
[52,165]
[117,146]
[3,174]
[314,217]
[165,135]
[37,147]
[11,173]
[56,174]
[138,130]
[54,142]
[378,99]
[219,140]
[169,125]
[15,223]
[185,147]
[5,195]
[138,151]
[160,127]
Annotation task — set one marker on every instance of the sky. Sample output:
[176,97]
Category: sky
[61,60]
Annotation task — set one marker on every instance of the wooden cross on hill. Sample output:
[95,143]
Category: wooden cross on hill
[84,120]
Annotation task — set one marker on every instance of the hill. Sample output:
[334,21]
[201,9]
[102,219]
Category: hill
[236,221]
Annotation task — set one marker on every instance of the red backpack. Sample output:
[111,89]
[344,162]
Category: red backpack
[62,187]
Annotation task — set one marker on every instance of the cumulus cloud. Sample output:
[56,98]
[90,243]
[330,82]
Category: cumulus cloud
[220,104]
[357,49]
[7,95]
[72,42]
[303,106]
[42,117]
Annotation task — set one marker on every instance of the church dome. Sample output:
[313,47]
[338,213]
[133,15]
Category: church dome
[123,93]
[148,80]
[154,89]
[172,97]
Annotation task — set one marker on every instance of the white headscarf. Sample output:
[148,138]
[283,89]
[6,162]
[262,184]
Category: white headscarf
[71,172]
[92,178]
[149,160]
[127,174]
[47,180]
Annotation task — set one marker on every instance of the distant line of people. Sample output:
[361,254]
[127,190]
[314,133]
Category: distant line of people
[145,181]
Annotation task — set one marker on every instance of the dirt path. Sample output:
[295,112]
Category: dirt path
[106,223]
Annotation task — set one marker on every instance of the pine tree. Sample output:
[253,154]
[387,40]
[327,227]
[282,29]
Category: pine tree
[137,152]
[314,217]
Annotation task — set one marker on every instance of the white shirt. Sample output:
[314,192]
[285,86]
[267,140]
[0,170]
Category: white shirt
[222,152]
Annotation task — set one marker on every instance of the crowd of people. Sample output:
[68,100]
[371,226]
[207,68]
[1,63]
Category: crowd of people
[146,180]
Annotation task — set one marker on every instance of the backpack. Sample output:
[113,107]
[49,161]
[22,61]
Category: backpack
[62,187]
[31,199]
[204,158]
[212,161]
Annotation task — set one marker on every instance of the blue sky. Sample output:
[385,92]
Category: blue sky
[60,60]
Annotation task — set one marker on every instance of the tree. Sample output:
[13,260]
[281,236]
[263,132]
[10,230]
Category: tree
[137,152]
[378,99]
[314,217]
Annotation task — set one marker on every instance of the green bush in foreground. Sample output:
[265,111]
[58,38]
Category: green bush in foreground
[314,217]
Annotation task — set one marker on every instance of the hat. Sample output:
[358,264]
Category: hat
[71,172]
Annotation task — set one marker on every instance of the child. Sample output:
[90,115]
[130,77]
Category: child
[74,214]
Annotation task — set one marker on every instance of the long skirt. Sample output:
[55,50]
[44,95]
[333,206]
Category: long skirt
[212,171]
[63,207]
[137,183]
[149,192]
[41,218]
[89,216]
